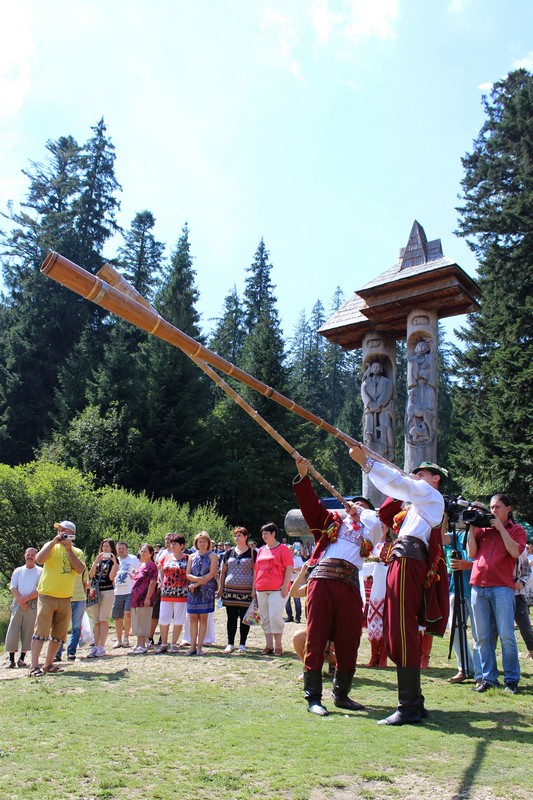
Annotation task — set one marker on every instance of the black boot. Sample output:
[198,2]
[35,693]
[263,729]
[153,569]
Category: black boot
[313,693]
[410,699]
[342,683]
[424,713]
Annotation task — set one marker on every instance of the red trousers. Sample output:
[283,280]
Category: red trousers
[403,605]
[335,613]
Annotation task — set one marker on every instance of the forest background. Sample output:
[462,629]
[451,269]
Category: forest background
[81,389]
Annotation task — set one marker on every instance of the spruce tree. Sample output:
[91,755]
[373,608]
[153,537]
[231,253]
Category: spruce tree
[70,208]
[228,337]
[173,453]
[254,473]
[97,204]
[494,394]
[140,256]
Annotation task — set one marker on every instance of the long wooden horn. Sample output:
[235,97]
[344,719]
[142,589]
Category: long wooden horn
[88,286]
[115,279]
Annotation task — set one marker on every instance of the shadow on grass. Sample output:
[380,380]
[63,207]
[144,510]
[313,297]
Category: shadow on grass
[109,677]
[487,729]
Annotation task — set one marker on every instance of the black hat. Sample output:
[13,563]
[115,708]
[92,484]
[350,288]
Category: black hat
[360,499]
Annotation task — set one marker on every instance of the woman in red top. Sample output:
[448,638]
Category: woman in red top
[272,576]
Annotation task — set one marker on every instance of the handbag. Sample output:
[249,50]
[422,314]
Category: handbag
[252,616]
[93,593]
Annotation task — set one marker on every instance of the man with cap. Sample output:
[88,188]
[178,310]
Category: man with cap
[61,562]
[417,583]
[334,606]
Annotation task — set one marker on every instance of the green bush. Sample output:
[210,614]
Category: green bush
[35,495]
[137,518]
[32,498]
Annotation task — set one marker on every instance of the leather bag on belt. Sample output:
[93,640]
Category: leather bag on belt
[409,547]
[336,569]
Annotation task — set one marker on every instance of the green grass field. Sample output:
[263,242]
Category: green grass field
[236,727]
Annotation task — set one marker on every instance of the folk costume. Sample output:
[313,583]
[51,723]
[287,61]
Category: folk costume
[334,606]
[417,582]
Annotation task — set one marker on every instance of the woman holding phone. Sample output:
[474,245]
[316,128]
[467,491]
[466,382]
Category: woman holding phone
[102,576]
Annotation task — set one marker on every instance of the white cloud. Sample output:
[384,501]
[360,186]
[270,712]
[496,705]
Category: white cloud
[359,20]
[371,20]
[16,50]
[324,20]
[284,32]
[524,63]
[485,87]
[285,39]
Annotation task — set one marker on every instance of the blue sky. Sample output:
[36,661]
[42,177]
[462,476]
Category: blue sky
[324,126]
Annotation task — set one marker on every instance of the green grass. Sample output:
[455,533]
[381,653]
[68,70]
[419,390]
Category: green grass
[235,727]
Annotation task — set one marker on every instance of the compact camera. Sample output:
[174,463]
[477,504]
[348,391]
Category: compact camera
[70,536]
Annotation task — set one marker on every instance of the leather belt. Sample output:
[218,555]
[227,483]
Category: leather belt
[336,569]
[409,547]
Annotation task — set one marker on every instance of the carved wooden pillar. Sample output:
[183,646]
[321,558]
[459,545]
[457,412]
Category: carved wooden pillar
[421,407]
[377,391]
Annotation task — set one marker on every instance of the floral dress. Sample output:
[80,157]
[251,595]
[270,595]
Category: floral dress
[202,600]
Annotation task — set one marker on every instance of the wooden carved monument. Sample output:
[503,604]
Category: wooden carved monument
[404,302]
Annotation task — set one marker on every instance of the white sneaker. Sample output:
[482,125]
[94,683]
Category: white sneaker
[93,652]
[125,642]
[229,649]
[100,651]
[242,648]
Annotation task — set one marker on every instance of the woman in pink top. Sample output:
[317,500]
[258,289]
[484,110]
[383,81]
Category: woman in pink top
[272,576]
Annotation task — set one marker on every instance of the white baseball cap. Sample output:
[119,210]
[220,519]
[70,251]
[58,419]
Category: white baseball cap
[66,524]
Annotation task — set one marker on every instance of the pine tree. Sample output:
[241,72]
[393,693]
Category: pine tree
[494,396]
[70,208]
[97,205]
[227,340]
[253,476]
[140,256]
[172,459]
[259,291]
[40,320]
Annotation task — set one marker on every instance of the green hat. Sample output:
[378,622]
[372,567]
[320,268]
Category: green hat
[434,468]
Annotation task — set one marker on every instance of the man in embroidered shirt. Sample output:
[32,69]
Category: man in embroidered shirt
[409,575]
[334,606]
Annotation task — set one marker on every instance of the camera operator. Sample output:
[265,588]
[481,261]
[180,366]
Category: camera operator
[61,561]
[494,549]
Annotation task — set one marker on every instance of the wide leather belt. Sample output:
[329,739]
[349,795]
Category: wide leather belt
[409,547]
[336,569]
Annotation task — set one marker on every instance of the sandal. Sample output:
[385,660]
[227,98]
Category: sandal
[36,672]
[267,651]
[191,652]
[52,669]
[278,651]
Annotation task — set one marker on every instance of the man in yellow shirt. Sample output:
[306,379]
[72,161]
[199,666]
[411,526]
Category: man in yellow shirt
[61,561]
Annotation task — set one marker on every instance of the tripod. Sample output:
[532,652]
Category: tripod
[460,611]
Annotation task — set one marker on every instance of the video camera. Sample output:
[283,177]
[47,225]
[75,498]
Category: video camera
[460,510]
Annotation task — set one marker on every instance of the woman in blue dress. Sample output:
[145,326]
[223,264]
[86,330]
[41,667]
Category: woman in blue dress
[202,571]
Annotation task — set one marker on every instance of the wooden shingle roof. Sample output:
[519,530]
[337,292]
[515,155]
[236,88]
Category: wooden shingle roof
[421,278]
